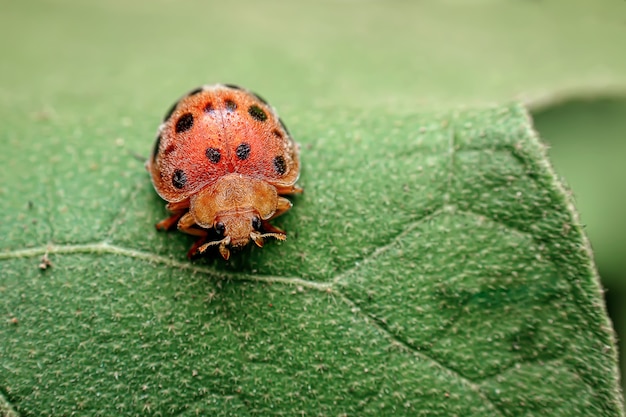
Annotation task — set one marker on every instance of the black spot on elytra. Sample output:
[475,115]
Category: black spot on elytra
[169,149]
[155,151]
[230,105]
[170,111]
[277,133]
[233,86]
[282,124]
[213,155]
[179,179]
[184,123]
[261,99]
[243,151]
[257,113]
[280,165]
[209,107]
[196,91]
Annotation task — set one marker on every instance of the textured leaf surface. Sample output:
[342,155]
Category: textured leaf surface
[433,266]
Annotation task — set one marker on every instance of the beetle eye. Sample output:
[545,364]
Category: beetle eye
[256,223]
[220,228]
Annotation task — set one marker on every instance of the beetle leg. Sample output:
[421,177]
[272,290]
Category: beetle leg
[177,210]
[167,224]
[291,189]
[273,231]
[181,205]
[186,225]
[282,206]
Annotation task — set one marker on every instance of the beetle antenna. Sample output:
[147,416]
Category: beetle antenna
[220,243]
[279,236]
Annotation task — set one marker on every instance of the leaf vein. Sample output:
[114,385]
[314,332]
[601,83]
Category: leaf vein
[370,257]
[107,248]
[7,409]
[405,346]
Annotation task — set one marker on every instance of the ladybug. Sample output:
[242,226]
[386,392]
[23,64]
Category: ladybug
[222,160]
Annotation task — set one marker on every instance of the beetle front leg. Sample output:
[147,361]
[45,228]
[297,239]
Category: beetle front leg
[186,225]
[177,210]
[269,229]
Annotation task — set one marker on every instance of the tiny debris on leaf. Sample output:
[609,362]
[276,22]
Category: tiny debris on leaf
[44,262]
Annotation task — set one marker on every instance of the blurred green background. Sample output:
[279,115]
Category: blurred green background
[125,62]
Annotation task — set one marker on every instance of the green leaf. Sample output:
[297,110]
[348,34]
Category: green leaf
[434,265]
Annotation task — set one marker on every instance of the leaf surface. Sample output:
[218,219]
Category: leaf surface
[433,265]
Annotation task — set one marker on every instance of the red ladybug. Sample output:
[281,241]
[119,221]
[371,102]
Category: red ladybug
[222,159]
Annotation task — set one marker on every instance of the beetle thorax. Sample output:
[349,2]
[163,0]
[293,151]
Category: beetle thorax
[234,200]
